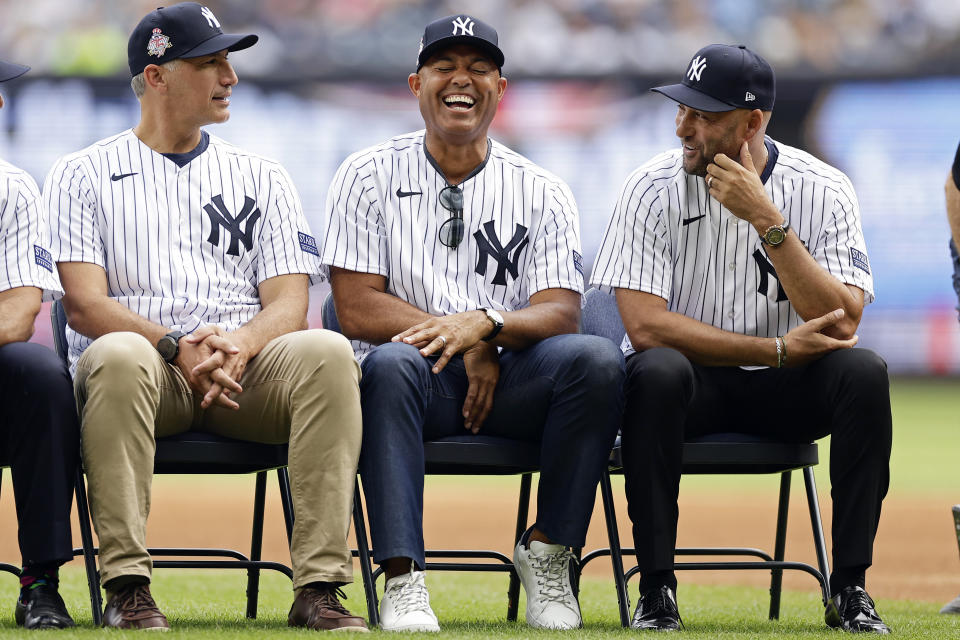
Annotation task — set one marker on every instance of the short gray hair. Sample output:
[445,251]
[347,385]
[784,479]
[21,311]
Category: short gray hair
[139,84]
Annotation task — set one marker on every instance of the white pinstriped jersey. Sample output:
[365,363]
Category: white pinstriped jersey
[181,246]
[25,259]
[670,238]
[521,234]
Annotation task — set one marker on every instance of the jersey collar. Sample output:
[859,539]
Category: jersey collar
[183,159]
[772,154]
[476,170]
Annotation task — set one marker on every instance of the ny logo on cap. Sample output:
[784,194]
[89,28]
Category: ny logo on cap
[211,19]
[697,65]
[464,24]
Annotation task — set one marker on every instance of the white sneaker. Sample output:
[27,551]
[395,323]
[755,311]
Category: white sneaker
[544,571]
[406,604]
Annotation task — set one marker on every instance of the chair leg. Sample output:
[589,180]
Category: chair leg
[523,513]
[779,547]
[366,565]
[286,501]
[256,544]
[86,539]
[818,540]
[616,555]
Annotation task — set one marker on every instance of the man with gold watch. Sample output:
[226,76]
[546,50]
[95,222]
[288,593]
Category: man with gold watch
[741,274]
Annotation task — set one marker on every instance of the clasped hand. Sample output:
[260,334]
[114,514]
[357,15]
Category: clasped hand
[461,333]
[212,364]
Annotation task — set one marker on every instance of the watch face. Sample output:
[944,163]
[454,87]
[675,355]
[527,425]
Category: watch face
[167,347]
[495,316]
[775,235]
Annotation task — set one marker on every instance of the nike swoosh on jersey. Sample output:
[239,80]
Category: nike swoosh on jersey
[687,221]
[121,176]
[406,194]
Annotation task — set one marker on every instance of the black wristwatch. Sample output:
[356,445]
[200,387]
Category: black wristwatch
[169,346]
[775,235]
[497,320]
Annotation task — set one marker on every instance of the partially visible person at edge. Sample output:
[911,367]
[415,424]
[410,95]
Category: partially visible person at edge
[186,263]
[952,191]
[741,274]
[456,272]
[39,433]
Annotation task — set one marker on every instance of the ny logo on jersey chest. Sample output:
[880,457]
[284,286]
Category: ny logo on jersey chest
[766,269]
[220,217]
[490,247]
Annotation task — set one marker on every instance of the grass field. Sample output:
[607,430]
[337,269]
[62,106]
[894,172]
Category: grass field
[211,604]
[926,443]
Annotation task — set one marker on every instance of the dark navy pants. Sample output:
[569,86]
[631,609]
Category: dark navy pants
[845,395]
[564,392]
[40,441]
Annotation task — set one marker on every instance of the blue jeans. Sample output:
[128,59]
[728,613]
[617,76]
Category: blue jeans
[565,392]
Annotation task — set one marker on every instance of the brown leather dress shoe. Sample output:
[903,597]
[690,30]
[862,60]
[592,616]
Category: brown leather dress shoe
[133,608]
[320,609]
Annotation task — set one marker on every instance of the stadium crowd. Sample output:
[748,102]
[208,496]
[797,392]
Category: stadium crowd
[317,38]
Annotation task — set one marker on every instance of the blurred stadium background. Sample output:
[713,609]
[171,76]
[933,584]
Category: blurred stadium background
[868,85]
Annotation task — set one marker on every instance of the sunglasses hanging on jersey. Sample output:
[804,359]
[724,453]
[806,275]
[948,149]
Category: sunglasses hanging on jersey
[451,231]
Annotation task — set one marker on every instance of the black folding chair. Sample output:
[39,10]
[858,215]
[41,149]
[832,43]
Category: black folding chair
[720,453]
[456,455]
[196,453]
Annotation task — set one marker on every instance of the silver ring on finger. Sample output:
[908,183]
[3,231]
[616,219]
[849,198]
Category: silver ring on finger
[709,181]
[443,340]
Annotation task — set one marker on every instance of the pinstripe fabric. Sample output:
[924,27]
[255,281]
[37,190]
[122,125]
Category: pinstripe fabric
[714,268]
[372,229]
[153,232]
[25,259]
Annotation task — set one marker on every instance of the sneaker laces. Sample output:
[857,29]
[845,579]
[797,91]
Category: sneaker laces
[409,594]
[552,577]
[328,599]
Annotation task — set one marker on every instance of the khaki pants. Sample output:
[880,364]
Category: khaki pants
[302,388]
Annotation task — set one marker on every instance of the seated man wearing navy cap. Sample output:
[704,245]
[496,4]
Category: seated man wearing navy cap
[39,433]
[741,275]
[186,262]
[456,269]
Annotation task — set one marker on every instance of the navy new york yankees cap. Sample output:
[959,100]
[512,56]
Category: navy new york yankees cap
[185,30]
[724,77]
[459,29]
[9,70]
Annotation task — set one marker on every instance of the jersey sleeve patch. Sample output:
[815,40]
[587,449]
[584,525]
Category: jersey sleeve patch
[578,262]
[859,260]
[308,244]
[42,257]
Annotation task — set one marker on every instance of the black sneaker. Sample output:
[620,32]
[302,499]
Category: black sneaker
[854,611]
[657,610]
[42,608]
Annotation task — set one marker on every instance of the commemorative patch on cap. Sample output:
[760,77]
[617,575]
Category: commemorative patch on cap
[158,44]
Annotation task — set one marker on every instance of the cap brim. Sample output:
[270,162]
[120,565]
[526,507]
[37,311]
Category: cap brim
[692,98]
[221,42]
[9,70]
[495,53]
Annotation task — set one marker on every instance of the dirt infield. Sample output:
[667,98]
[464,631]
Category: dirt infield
[915,557]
